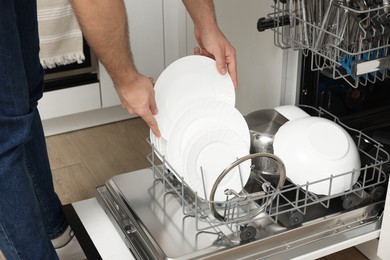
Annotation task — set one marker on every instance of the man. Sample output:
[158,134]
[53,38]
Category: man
[31,222]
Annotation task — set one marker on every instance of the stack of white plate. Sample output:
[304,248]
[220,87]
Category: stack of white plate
[201,131]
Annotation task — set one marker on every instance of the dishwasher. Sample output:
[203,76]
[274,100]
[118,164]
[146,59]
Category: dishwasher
[159,216]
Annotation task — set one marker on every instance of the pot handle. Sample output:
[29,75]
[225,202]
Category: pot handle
[252,196]
[291,112]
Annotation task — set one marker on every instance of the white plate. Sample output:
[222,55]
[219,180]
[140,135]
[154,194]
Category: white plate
[196,120]
[160,145]
[186,81]
[210,154]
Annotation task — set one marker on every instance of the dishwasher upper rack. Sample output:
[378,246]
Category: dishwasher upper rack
[347,39]
[288,205]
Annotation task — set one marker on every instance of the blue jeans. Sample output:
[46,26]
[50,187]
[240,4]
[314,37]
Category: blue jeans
[30,211]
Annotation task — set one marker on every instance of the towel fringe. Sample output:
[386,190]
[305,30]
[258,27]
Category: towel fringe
[65,59]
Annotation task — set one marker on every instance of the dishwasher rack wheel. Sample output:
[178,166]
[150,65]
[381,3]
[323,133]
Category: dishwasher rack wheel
[295,218]
[377,210]
[291,219]
[376,193]
[247,234]
[350,201]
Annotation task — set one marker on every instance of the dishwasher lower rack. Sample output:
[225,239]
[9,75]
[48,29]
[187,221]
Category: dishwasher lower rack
[159,216]
[347,39]
[262,199]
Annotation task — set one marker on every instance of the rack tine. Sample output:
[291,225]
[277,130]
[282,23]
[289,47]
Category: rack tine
[203,182]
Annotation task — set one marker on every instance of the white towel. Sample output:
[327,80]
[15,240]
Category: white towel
[61,40]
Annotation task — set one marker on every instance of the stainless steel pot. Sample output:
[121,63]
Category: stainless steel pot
[263,125]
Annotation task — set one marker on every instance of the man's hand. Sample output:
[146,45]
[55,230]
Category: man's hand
[215,45]
[104,25]
[212,42]
[137,97]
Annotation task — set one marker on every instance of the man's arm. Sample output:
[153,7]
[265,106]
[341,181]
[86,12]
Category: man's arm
[211,40]
[104,25]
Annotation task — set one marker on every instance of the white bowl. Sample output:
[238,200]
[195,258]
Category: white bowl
[314,149]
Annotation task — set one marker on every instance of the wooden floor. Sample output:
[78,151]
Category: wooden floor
[85,159]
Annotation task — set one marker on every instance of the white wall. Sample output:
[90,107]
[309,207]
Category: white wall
[259,61]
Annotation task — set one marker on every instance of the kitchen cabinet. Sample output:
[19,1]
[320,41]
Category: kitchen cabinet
[383,246]
[70,101]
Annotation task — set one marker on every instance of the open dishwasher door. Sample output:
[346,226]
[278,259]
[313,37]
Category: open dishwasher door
[159,216]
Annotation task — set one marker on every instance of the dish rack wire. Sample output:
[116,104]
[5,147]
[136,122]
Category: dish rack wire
[347,39]
[268,202]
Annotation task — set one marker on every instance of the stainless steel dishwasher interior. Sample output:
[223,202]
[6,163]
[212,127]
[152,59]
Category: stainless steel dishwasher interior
[160,217]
